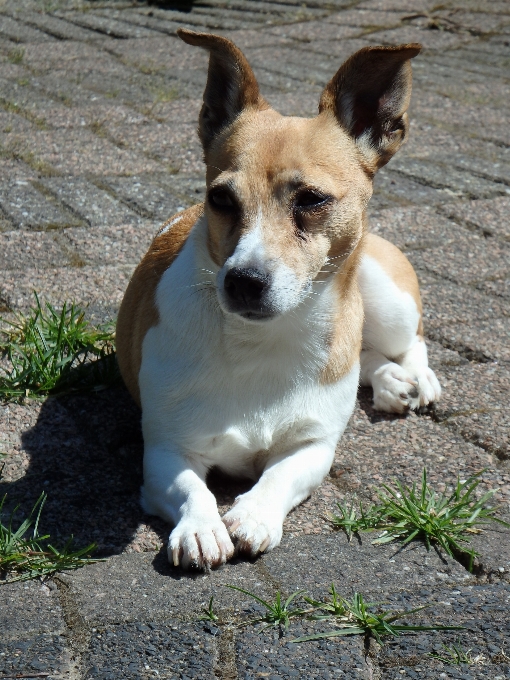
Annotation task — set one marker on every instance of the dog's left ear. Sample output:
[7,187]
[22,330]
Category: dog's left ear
[369,95]
[231,85]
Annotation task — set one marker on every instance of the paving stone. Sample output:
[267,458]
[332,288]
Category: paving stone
[93,205]
[83,152]
[39,656]
[85,285]
[19,250]
[446,303]
[161,590]
[30,209]
[175,145]
[467,258]
[117,245]
[482,612]
[493,546]
[414,228]
[378,448]
[267,655]
[19,32]
[472,404]
[489,216]
[158,197]
[484,339]
[29,609]
[431,40]
[58,28]
[358,566]
[460,183]
[145,651]
[392,189]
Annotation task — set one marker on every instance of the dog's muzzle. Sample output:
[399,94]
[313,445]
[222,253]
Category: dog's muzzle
[245,290]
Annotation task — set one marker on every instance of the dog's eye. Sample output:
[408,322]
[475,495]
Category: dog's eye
[220,198]
[308,199]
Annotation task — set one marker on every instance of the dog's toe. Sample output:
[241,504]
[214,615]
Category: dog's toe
[199,545]
[253,528]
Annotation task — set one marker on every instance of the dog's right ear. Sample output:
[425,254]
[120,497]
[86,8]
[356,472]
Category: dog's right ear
[231,85]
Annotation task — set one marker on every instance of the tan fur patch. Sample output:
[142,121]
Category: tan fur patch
[138,310]
[397,266]
[348,324]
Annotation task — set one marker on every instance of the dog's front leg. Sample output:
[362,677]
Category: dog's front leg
[256,518]
[174,488]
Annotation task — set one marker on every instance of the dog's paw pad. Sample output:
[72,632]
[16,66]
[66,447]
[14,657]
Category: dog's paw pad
[199,544]
[252,528]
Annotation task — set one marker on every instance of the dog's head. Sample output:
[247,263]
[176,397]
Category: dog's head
[286,196]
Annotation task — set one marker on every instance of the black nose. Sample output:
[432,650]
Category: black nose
[245,285]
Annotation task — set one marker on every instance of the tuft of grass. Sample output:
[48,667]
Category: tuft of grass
[354,617]
[24,557]
[406,513]
[209,614]
[16,55]
[455,656]
[279,613]
[51,351]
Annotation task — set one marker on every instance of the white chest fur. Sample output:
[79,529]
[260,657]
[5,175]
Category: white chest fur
[231,392]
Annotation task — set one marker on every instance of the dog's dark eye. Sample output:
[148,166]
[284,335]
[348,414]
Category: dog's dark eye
[308,199]
[220,198]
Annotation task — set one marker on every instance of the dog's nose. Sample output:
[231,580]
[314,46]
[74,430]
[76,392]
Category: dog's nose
[245,285]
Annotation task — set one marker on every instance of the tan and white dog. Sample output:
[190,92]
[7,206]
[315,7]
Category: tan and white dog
[241,331]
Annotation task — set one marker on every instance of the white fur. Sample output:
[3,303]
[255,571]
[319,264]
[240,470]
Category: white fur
[394,358]
[219,391]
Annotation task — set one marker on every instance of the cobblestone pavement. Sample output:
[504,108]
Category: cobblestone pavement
[98,112]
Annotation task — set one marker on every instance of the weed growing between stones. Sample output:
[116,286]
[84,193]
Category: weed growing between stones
[406,513]
[52,351]
[209,614]
[24,557]
[455,656]
[351,617]
[278,614]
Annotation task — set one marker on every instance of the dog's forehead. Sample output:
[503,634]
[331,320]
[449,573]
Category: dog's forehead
[287,150]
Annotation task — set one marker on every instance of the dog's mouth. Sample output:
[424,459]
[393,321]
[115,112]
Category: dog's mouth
[256,316]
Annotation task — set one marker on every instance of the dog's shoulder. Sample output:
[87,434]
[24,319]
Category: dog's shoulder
[138,311]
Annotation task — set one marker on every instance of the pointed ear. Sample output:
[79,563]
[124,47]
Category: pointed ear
[369,95]
[231,86]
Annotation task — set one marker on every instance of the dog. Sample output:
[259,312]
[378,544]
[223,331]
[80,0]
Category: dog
[246,328]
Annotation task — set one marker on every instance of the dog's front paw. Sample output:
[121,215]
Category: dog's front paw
[201,544]
[253,528]
[396,389]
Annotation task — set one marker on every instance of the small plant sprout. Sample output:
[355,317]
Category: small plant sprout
[50,351]
[278,613]
[406,513]
[455,656]
[209,614]
[354,617]
[24,557]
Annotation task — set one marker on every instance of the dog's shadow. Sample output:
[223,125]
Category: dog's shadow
[86,452]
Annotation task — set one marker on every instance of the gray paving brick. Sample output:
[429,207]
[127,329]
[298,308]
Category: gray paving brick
[265,654]
[443,176]
[146,651]
[29,609]
[101,592]
[94,206]
[19,32]
[313,563]
[490,216]
[39,656]
[30,209]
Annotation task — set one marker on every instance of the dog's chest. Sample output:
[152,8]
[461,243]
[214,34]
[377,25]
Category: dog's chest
[235,392]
